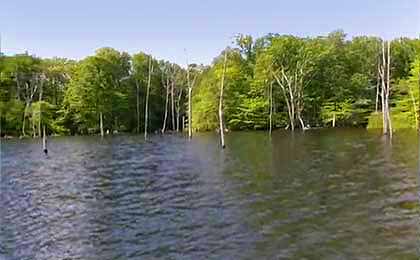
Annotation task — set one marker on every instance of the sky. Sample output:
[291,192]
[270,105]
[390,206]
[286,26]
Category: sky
[198,29]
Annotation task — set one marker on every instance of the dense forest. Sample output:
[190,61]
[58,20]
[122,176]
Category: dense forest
[277,81]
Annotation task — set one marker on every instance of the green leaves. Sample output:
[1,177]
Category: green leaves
[330,77]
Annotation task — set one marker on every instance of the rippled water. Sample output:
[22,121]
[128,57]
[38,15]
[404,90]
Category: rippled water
[329,194]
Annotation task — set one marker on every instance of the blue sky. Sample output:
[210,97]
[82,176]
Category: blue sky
[75,28]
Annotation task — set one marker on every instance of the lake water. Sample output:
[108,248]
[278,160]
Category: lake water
[327,194]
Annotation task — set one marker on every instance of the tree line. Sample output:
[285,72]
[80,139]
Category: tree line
[276,81]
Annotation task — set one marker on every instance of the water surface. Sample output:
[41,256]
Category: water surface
[327,194]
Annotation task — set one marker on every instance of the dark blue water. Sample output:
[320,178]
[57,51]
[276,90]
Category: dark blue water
[329,194]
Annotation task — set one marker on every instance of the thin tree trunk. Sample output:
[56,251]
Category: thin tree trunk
[189,102]
[17,85]
[413,100]
[24,118]
[40,108]
[302,124]
[388,89]
[173,104]
[221,125]
[178,109]
[385,73]
[44,139]
[286,98]
[183,123]
[292,109]
[378,83]
[189,113]
[383,91]
[101,124]
[166,108]
[333,122]
[33,126]
[146,112]
[271,108]
[418,120]
[138,105]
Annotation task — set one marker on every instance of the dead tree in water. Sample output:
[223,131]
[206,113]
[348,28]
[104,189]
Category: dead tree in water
[138,104]
[30,89]
[384,73]
[101,123]
[178,109]
[221,125]
[292,84]
[173,101]
[166,102]
[146,110]
[190,87]
[418,119]
[271,108]
[44,140]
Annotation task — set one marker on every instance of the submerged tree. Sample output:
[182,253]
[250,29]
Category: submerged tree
[146,111]
[221,124]
[384,72]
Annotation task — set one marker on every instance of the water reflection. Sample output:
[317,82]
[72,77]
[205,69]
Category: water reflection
[318,195]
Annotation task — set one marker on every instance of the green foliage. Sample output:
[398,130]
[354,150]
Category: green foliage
[405,110]
[333,77]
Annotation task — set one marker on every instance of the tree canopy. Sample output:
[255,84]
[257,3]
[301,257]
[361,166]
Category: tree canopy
[322,81]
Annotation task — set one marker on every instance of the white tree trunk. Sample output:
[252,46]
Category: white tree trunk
[388,89]
[413,100]
[271,108]
[146,112]
[138,105]
[221,125]
[189,113]
[101,124]
[173,104]
[166,109]
[178,109]
[44,139]
[385,74]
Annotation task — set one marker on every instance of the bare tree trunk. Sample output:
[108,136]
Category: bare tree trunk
[287,99]
[189,101]
[418,120]
[271,108]
[30,90]
[166,108]
[40,108]
[146,112]
[183,123]
[333,122]
[385,73]
[33,126]
[101,124]
[173,104]
[221,125]
[138,105]
[189,113]
[302,124]
[388,89]
[44,139]
[178,109]
[17,84]
[23,121]
[413,100]
[292,109]
[383,91]
[299,111]
[378,83]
